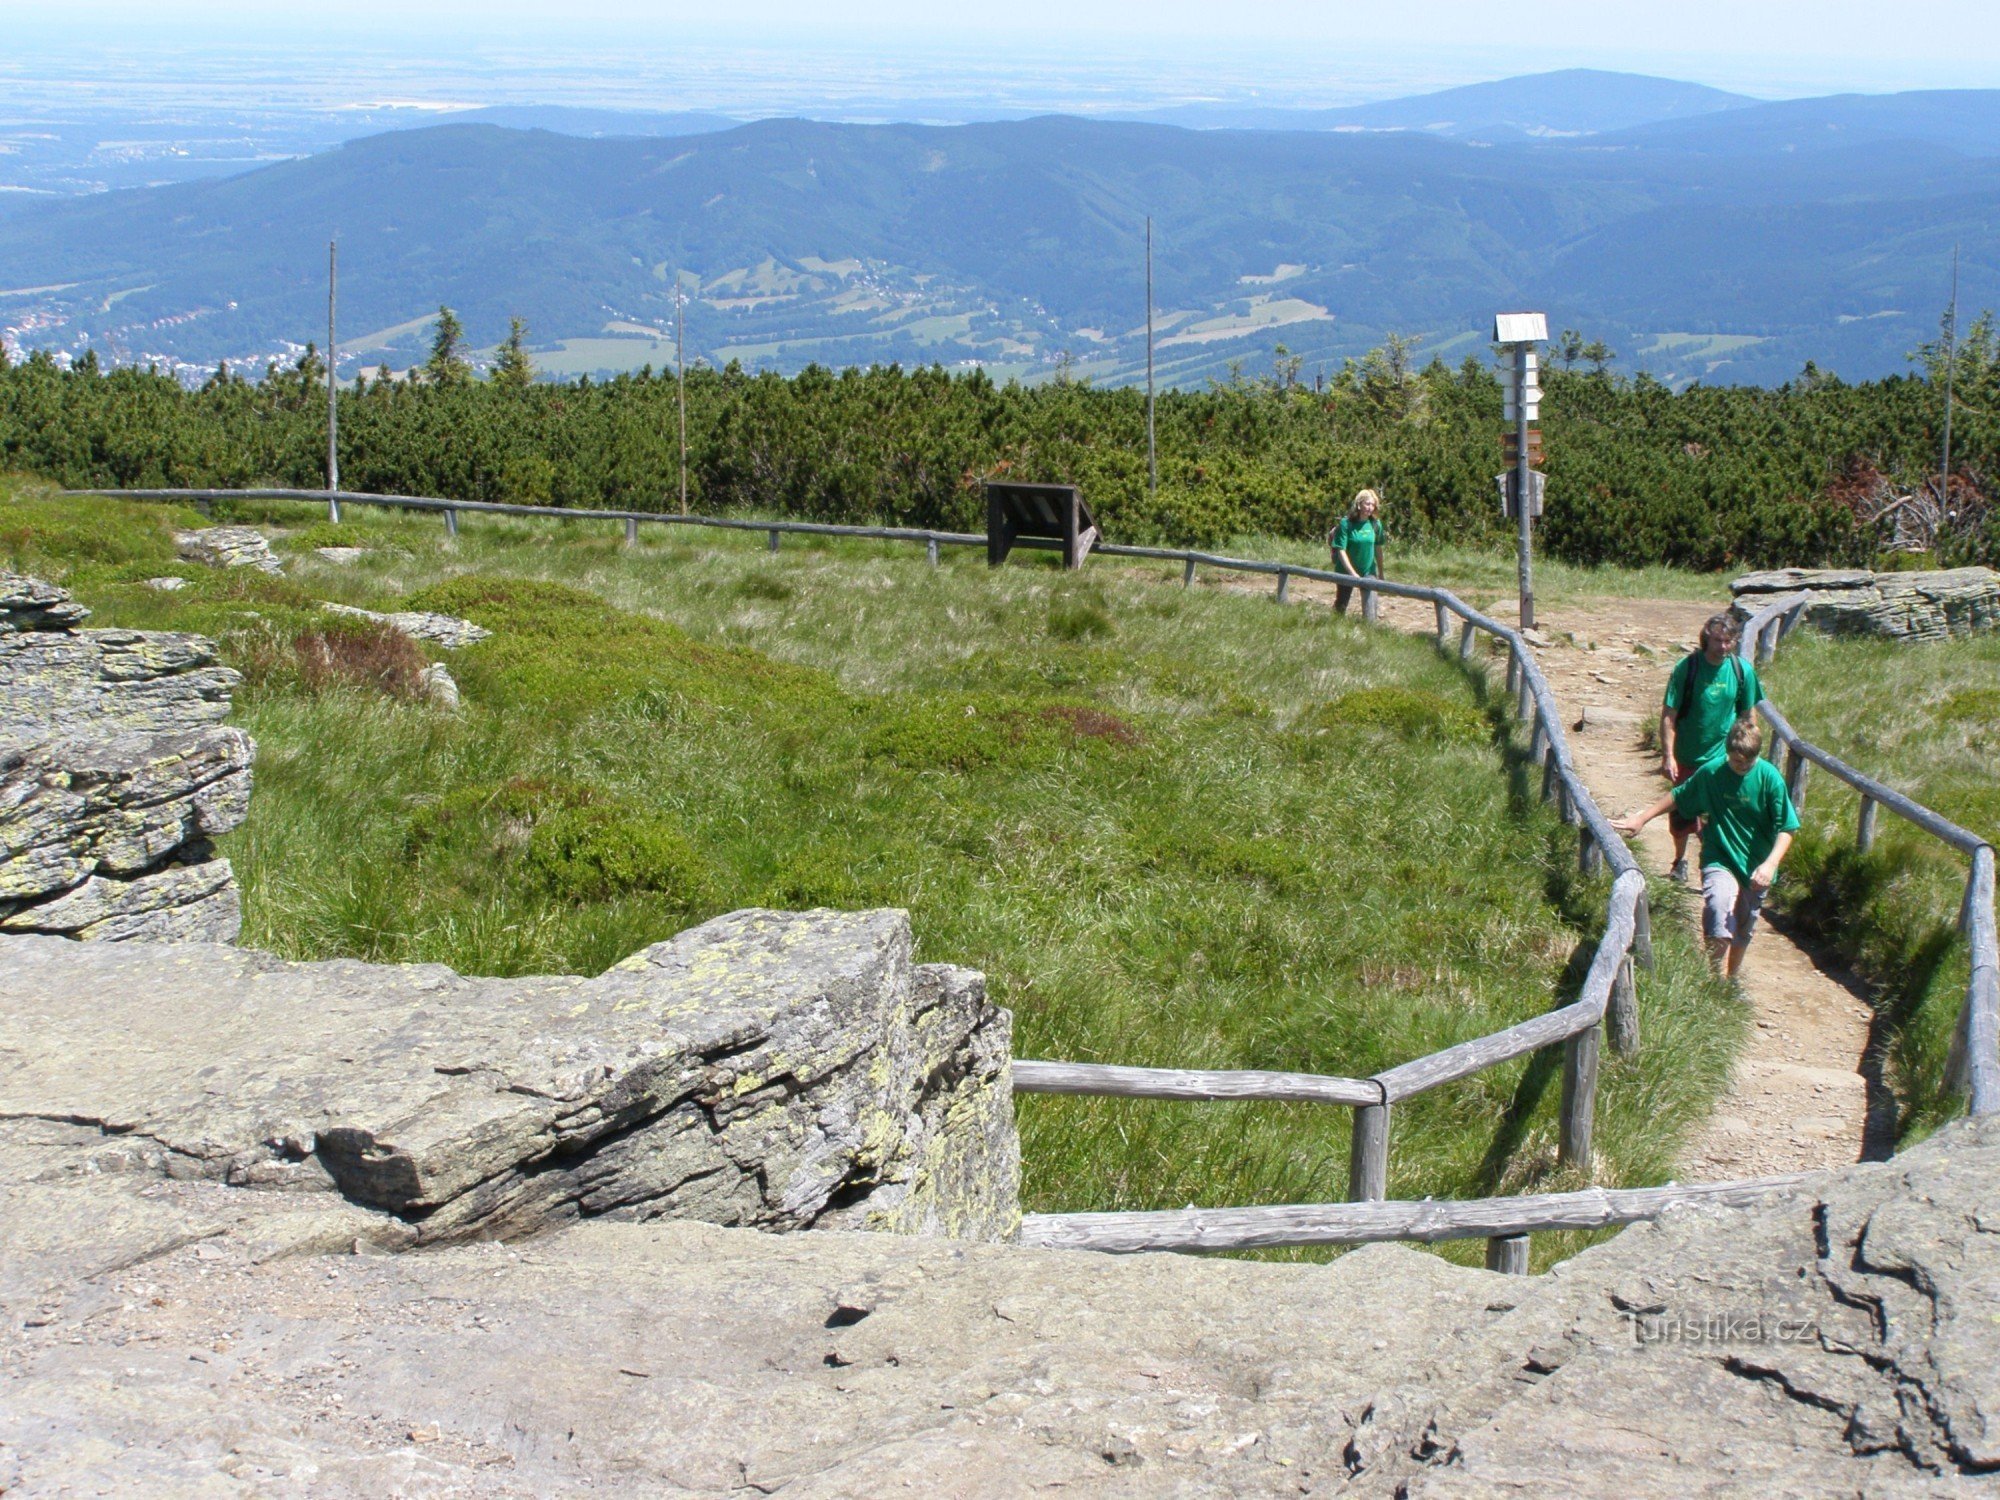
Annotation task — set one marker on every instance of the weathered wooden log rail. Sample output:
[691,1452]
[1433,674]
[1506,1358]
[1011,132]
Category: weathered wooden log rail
[1606,1001]
[1973,1068]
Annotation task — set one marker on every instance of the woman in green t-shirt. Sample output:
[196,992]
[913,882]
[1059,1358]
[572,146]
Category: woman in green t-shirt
[1356,542]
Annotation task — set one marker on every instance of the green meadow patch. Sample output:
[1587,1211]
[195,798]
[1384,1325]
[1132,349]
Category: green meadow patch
[1173,828]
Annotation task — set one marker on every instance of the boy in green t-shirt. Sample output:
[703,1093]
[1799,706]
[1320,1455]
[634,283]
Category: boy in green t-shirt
[1709,691]
[1749,823]
[1356,542]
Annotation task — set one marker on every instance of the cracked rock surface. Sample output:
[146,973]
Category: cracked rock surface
[115,775]
[167,1334]
[420,625]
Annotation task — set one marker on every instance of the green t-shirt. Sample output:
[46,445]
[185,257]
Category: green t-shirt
[1745,813]
[1708,700]
[1358,540]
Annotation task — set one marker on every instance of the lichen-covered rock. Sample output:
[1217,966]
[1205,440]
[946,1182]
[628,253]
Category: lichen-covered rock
[440,630]
[31,604]
[57,684]
[765,1069]
[1931,606]
[114,777]
[228,547]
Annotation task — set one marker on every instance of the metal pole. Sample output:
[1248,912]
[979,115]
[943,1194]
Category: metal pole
[1950,366]
[681,380]
[332,385]
[1152,453]
[1523,542]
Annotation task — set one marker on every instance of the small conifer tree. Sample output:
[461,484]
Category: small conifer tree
[447,364]
[513,369]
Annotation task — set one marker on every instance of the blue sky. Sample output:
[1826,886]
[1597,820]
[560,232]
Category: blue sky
[1771,47]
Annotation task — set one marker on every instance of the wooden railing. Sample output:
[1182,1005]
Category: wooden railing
[1973,1067]
[1607,1000]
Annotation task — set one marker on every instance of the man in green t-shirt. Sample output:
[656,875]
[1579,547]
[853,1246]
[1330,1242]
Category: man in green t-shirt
[1356,542]
[1748,823]
[1709,691]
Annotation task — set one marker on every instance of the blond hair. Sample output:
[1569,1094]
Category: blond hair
[1354,510]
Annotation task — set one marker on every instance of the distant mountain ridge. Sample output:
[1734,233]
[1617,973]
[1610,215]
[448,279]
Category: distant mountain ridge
[1019,245]
[1568,102]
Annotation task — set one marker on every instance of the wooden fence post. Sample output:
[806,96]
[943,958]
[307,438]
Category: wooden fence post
[774,539]
[451,523]
[1368,1157]
[1507,1254]
[1524,697]
[1513,670]
[1642,931]
[333,508]
[1466,638]
[1796,766]
[631,531]
[1370,603]
[1589,858]
[1864,835]
[1551,776]
[1579,1098]
[931,550]
[1187,573]
[1767,647]
[1444,628]
[1622,1011]
[1284,584]
[1538,737]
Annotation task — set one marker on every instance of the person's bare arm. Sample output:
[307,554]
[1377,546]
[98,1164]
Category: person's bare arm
[1344,563]
[1764,874]
[1631,823]
[1669,767]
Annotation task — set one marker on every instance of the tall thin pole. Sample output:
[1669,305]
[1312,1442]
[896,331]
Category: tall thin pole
[332,385]
[1950,369]
[1524,545]
[1152,452]
[681,380]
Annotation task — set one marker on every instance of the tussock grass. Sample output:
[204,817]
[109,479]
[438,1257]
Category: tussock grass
[1924,719]
[1173,827]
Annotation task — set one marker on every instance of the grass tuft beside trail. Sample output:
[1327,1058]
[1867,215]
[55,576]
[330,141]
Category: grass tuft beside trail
[1186,828]
[1924,719]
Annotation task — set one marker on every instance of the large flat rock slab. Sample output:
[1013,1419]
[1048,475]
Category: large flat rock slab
[1836,1341]
[769,1069]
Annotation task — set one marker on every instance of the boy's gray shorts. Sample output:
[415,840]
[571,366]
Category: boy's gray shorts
[1729,906]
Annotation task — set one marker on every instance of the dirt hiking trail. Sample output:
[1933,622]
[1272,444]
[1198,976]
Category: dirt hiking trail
[1805,1093]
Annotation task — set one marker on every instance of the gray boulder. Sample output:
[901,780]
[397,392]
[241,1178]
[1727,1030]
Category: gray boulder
[115,776]
[765,1069]
[1902,606]
[228,547]
[440,630]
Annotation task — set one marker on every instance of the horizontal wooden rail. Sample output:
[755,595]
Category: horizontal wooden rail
[1466,1058]
[1974,1064]
[1032,1077]
[1194,1230]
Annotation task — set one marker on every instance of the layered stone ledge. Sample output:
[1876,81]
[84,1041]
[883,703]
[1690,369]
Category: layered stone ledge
[774,1070]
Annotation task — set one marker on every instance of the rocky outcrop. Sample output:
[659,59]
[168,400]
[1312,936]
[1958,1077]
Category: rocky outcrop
[1903,606]
[228,547]
[767,1069]
[440,630]
[168,1336]
[115,775]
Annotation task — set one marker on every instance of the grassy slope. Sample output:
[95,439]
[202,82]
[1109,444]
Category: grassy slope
[1264,878]
[1925,720]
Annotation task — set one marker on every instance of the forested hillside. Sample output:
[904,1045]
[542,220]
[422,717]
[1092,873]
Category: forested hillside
[1639,473]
